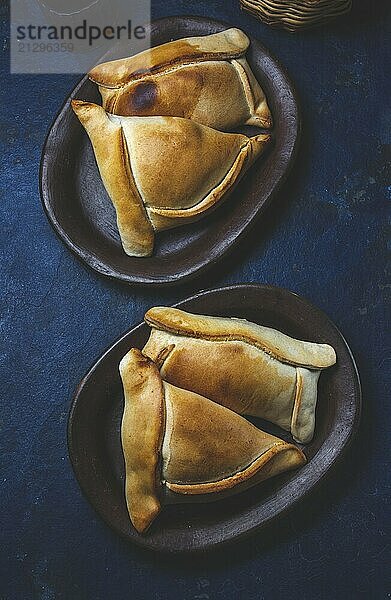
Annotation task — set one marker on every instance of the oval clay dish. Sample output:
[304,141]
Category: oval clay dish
[80,210]
[95,418]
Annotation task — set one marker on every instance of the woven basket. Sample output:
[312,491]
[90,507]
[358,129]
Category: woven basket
[296,15]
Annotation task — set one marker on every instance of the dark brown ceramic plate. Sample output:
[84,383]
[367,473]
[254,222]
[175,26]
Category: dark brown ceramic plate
[95,416]
[81,213]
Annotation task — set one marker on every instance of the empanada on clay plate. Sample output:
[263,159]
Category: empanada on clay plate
[161,172]
[206,79]
[179,445]
[248,368]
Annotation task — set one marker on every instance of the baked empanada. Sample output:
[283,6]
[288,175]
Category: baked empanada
[178,445]
[251,369]
[161,172]
[206,79]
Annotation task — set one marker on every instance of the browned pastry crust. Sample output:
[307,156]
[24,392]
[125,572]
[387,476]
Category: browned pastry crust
[248,368]
[141,435]
[180,441]
[161,172]
[111,155]
[230,43]
[206,79]
[275,343]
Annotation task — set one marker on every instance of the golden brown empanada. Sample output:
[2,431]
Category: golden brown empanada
[206,79]
[251,369]
[161,172]
[178,445]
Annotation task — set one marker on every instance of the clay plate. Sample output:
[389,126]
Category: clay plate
[81,213]
[96,412]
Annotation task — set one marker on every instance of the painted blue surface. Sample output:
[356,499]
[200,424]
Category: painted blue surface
[327,237]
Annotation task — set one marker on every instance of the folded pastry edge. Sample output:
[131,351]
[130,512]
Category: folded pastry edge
[142,431]
[272,461]
[260,114]
[306,397]
[158,58]
[136,231]
[179,322]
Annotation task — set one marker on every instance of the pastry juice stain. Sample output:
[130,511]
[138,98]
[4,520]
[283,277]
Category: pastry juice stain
[143,96]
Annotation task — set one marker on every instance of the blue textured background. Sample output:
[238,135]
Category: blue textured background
[327,237]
